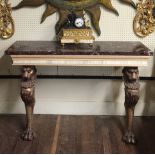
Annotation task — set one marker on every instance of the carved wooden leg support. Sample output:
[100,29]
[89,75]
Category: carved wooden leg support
[28,97]
[132,93]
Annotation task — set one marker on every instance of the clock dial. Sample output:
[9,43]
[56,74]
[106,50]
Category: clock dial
[79,22]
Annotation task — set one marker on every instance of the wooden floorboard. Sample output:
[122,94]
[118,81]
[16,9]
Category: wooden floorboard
[12,126]
[145,132]
[76,134]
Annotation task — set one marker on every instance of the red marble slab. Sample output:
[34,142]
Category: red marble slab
[97,48]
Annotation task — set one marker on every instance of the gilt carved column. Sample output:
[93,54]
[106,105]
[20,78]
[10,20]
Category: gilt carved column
[132,93]
[28,97]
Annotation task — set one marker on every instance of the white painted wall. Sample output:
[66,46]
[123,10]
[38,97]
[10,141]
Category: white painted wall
[72,96]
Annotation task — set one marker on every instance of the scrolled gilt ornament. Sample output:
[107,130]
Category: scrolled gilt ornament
[144,21]
[7,27]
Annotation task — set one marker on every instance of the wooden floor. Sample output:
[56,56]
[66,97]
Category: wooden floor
[75,134]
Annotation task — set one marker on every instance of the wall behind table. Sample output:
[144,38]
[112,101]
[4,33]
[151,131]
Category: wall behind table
[75,96]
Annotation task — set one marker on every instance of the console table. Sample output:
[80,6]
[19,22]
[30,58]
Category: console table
[129,55]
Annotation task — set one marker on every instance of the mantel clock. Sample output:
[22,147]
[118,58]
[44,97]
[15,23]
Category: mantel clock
[75,30]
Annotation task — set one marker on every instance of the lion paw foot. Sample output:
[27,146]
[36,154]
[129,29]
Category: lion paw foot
[129,138]
[28,135]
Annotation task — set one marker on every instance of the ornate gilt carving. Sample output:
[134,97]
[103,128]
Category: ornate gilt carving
[6,21]
[132,93]
[144,21]
[28,97]
[76,36]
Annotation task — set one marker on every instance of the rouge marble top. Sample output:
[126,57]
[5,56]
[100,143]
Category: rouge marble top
[98,48]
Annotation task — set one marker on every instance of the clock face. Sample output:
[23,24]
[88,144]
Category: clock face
[79,22]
